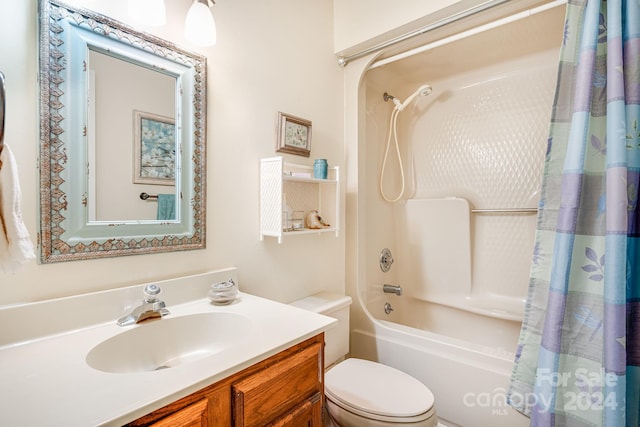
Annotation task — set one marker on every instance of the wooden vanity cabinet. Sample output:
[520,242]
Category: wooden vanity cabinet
[194,415]
[285,390]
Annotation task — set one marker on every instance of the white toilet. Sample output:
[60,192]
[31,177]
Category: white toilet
[361,393]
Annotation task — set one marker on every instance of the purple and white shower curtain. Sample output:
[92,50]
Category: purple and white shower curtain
[578,357]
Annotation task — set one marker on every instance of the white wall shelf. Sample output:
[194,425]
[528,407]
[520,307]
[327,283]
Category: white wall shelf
[287,184]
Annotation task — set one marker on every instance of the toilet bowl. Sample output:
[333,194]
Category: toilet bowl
[362,393]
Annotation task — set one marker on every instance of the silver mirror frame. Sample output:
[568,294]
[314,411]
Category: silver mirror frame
[65,232]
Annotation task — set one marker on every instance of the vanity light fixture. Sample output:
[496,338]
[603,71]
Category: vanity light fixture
[151,13]
[199,27]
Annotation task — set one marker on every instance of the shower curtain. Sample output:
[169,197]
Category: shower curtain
[578,357]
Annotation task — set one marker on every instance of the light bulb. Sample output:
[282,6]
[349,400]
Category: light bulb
[199,27]
[151,13]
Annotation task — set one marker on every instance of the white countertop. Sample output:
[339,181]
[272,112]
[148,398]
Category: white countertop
[46,381]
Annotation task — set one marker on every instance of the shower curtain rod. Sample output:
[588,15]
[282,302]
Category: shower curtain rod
[482,28]
[344,60]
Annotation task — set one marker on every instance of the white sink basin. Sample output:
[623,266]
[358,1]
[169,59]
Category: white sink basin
[168,342]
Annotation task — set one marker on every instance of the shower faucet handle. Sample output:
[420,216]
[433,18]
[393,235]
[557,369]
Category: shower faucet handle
[386,259]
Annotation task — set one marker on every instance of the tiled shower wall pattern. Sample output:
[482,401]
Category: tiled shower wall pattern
[482,136]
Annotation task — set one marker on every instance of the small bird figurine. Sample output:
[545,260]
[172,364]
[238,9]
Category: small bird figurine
[314,221]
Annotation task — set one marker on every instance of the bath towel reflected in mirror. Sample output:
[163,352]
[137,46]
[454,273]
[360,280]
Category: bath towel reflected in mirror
[166,207]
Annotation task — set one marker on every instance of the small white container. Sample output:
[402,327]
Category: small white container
[297,221]
[223,293]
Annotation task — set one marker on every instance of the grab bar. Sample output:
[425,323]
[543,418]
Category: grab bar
[506,210]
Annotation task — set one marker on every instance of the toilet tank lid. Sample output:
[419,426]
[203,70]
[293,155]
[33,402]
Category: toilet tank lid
[323,302]
[377,389]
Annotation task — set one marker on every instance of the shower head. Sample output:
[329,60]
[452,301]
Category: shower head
[423,90]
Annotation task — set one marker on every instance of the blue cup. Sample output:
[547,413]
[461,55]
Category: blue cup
[320,169]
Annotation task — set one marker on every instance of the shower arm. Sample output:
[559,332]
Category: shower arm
[423,90]
[395,100]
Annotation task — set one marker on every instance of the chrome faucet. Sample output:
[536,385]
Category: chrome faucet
[392,289]
[150,308]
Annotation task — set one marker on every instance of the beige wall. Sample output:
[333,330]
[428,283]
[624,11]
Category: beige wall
[271,56]
[358,22]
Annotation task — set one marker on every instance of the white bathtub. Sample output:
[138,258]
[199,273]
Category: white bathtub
[464,358]
[491,332]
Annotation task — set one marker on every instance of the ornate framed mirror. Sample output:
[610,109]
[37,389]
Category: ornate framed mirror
[122,114]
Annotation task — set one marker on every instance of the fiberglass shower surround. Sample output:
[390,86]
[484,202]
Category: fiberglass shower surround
[462,233]
[424,90]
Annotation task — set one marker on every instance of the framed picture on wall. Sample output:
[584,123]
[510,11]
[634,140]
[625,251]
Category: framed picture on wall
[294,135]
[154,145]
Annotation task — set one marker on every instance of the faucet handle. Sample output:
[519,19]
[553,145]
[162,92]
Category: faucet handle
[151,293]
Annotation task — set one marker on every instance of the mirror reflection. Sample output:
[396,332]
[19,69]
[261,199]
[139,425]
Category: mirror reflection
[131,137]
[122,139]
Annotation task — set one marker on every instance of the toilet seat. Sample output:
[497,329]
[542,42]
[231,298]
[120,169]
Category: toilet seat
[393,396]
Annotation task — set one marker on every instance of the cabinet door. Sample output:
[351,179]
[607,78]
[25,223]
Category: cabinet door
[194,415]
[307,414]
[267,395]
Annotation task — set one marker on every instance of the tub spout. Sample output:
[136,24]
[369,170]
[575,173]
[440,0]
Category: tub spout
[392,289]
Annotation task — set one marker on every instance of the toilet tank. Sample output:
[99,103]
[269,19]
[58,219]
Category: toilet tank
[336,306]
